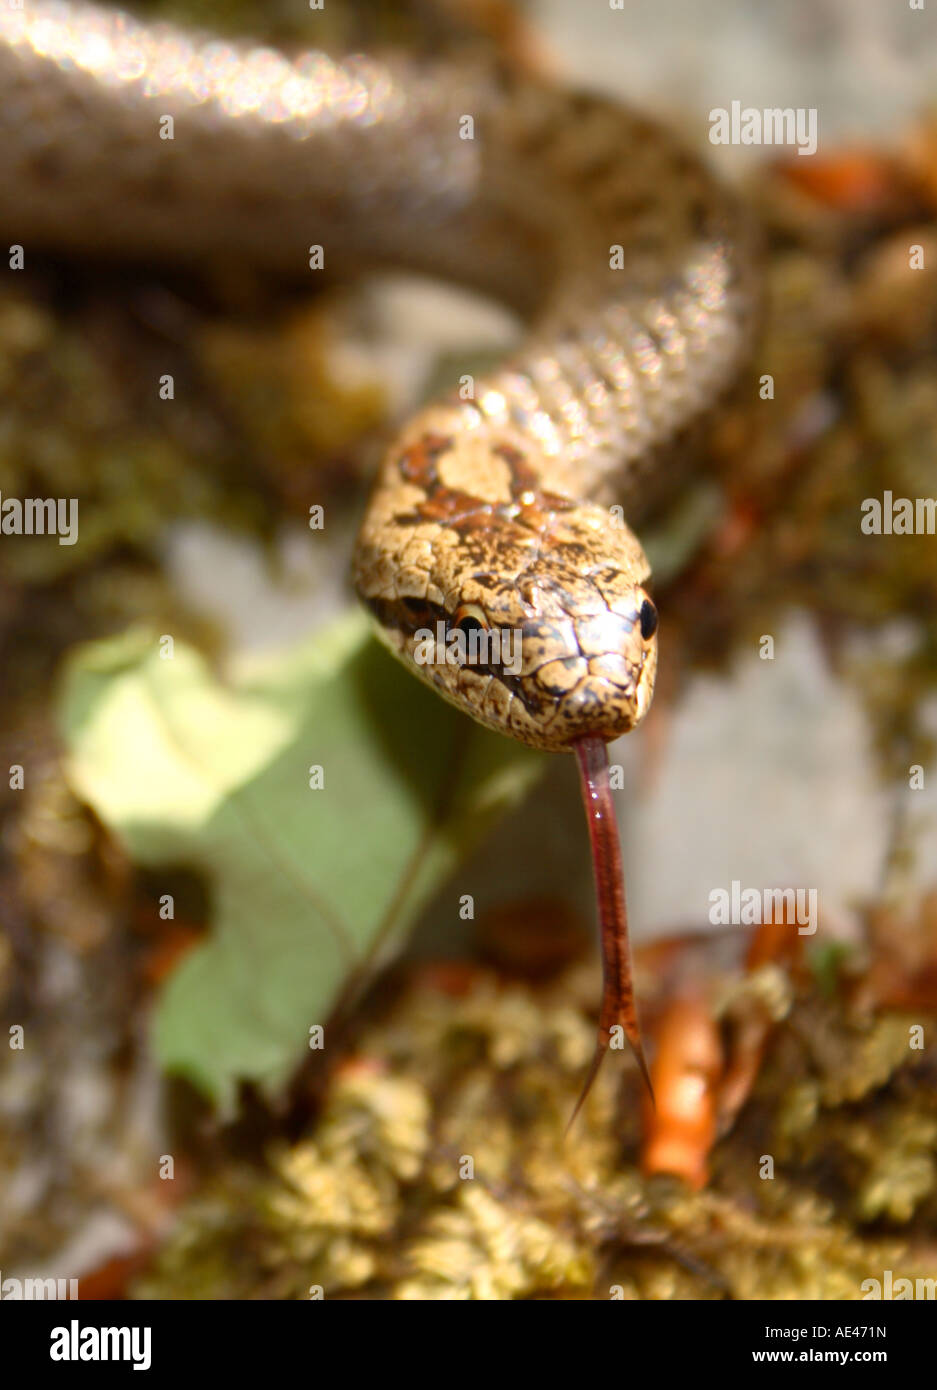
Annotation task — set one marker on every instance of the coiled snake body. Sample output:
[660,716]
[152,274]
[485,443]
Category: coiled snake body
[491,511]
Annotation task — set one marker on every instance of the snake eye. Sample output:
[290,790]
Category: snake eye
[468,617]
[647,617]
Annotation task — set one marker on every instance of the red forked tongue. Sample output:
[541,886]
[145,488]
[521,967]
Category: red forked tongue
[618,1006]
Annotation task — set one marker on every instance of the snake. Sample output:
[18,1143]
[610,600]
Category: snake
[494,555]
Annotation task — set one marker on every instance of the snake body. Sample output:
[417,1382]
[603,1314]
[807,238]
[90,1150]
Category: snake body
[631,265]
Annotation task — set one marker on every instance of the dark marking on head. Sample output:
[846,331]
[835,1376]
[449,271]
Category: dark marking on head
[410,616]
[531,510]
[417,464]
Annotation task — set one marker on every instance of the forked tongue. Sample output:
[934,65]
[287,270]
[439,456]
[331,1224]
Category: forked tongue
[618,1006]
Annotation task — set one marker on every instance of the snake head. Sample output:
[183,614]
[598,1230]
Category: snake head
[577,634]
[523,607]
[589,657]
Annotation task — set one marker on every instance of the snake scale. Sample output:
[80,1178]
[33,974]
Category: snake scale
[631,266]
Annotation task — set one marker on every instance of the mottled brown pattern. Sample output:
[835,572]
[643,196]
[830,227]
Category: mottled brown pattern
[532,508]
[417,463]
[541,569]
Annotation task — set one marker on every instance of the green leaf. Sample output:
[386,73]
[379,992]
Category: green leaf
[307,884]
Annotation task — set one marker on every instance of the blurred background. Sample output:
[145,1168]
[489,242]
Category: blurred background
[181,908]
